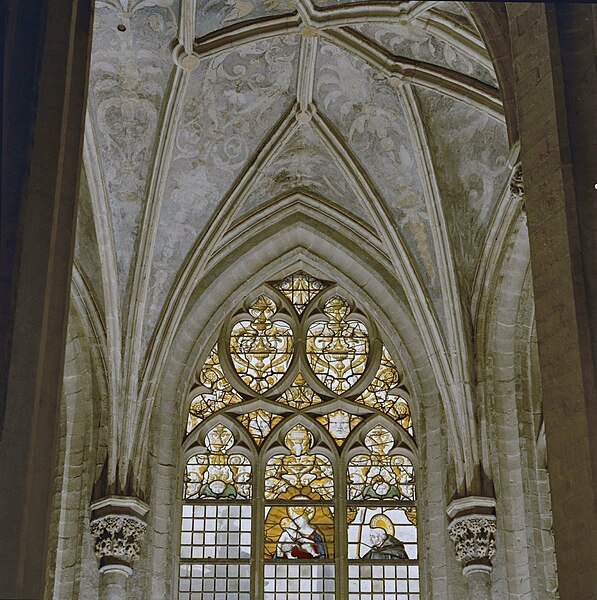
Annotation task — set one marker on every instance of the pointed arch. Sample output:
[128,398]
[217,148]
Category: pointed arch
[297,498]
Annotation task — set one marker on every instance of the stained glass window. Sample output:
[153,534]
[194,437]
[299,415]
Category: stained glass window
[299,480]
[339,423]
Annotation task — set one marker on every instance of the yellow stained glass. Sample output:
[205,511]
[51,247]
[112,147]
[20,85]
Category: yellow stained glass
[259,422]
[300,288]
[378,475]
[299,394]
[339,423]
[299,473]
[218,475]
[299,532]
[377,395]
[296,362]
[261,348]
[221,395]
[337,348]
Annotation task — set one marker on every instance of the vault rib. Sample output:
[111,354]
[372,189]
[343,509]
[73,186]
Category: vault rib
[447,30]
[460,359]
[306,72]
[504,218]
[446,81]
[186,26]
[450,83]
[237,35]
[104,231]
[201,253]
[365,12]
[88,308]
[419,301]
[144,257]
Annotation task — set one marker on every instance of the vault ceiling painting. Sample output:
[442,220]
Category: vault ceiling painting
[202,113]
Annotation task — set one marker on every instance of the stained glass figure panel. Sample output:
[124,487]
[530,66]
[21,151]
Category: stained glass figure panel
[379,393]
[300,288]
[299,395]
[382,533]
[299,473]
[339,423]
[301,561]
[378,475]
[383,582]
[303,581]
[215,531]
[337,348]
[214,582]
[259,423]
[221,393]
[299,532]
[217,474]
[261,348]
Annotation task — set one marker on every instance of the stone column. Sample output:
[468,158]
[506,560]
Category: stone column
[118,526]
[472,529]
[553,49]
[46,47]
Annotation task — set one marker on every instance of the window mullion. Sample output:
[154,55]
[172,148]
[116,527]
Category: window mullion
[341,532]
[258,531]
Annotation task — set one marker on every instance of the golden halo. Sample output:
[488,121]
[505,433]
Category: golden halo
[382,522]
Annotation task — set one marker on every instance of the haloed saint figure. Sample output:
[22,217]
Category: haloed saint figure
[384,546]
[298,432]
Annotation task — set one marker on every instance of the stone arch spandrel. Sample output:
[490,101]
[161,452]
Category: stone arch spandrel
[277,234]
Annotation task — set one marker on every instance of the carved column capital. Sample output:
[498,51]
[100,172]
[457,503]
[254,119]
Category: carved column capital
[118,526]
[474,539]
[472,529]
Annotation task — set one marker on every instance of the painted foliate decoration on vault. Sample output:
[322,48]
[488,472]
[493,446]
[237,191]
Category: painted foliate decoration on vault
[297,397]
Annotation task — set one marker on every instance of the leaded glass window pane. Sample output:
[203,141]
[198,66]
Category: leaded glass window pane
[298,399]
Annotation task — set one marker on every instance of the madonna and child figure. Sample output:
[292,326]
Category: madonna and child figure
[299,539]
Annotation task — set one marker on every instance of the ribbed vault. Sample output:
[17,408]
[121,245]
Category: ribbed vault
[370,126]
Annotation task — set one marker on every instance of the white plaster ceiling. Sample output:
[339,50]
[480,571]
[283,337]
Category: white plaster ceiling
[203,112]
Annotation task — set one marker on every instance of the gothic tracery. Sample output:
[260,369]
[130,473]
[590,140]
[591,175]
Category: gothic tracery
[321,345]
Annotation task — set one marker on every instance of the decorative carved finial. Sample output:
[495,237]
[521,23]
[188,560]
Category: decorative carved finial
[118,527]
[517,182]
[472,529]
